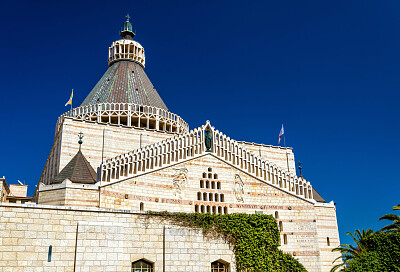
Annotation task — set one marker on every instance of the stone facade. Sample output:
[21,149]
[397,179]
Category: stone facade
[146,158]
[306,226]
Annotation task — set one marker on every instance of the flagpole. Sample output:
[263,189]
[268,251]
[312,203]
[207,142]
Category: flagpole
[287,157]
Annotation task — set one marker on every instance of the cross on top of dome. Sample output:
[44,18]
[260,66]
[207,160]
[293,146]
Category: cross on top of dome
[127,31]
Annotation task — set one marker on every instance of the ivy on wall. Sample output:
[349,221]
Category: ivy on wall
[254,237]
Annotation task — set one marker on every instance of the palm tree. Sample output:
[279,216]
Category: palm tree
[350,252]
[395,226]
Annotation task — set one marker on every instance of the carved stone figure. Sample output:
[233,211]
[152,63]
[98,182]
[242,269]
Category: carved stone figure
[238,188]
[179,180]
[208,140]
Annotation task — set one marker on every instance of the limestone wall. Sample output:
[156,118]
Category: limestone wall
[117,140]
[328,234]
[281,156]
[178,188]
[92,239]
[4,190]
[69,194]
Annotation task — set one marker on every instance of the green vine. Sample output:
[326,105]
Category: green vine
[254,237]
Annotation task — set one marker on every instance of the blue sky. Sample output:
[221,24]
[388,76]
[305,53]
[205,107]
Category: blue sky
[328,70]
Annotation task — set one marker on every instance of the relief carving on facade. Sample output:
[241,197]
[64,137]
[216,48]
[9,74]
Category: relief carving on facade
[180,180]
[238,188]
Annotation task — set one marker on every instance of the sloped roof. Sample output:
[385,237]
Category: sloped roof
[78,170]
[125,82]
[317,196]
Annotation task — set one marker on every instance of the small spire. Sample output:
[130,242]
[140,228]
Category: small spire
[80,136]
[127,31]
[300,167]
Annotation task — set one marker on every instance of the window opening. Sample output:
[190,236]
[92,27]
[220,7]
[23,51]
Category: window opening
[142,266]
[219,267]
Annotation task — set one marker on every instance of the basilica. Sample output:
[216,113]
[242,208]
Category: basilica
[122,153]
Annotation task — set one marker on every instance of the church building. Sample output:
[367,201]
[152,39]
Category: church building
[122,153]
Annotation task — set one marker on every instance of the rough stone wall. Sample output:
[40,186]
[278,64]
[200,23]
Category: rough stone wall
[92,239]
[327,228]
[162,190]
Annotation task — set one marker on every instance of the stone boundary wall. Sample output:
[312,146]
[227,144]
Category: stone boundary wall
[93,239]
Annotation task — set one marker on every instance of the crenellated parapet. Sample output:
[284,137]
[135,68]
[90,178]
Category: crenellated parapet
[128,115]
[196,143]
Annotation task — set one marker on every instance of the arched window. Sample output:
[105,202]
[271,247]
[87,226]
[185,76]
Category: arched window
[276,215]
[219,267]
[328,242]
[198,196]
[141,206]
[210,169]
[215,176]
[280,226]
[142,266]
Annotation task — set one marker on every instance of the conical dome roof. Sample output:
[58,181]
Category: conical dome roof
[125,80]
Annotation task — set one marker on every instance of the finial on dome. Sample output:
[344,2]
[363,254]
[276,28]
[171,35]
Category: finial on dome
[80,136]
[127,31]
[300,167]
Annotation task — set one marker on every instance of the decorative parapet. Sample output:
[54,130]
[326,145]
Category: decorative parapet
[193,144]
[128,115]
[126,50]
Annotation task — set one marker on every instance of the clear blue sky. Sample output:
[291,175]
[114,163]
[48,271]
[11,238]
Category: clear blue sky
[328,70]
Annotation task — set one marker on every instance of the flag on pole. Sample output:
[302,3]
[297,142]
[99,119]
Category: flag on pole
[70,99]
[280,134]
